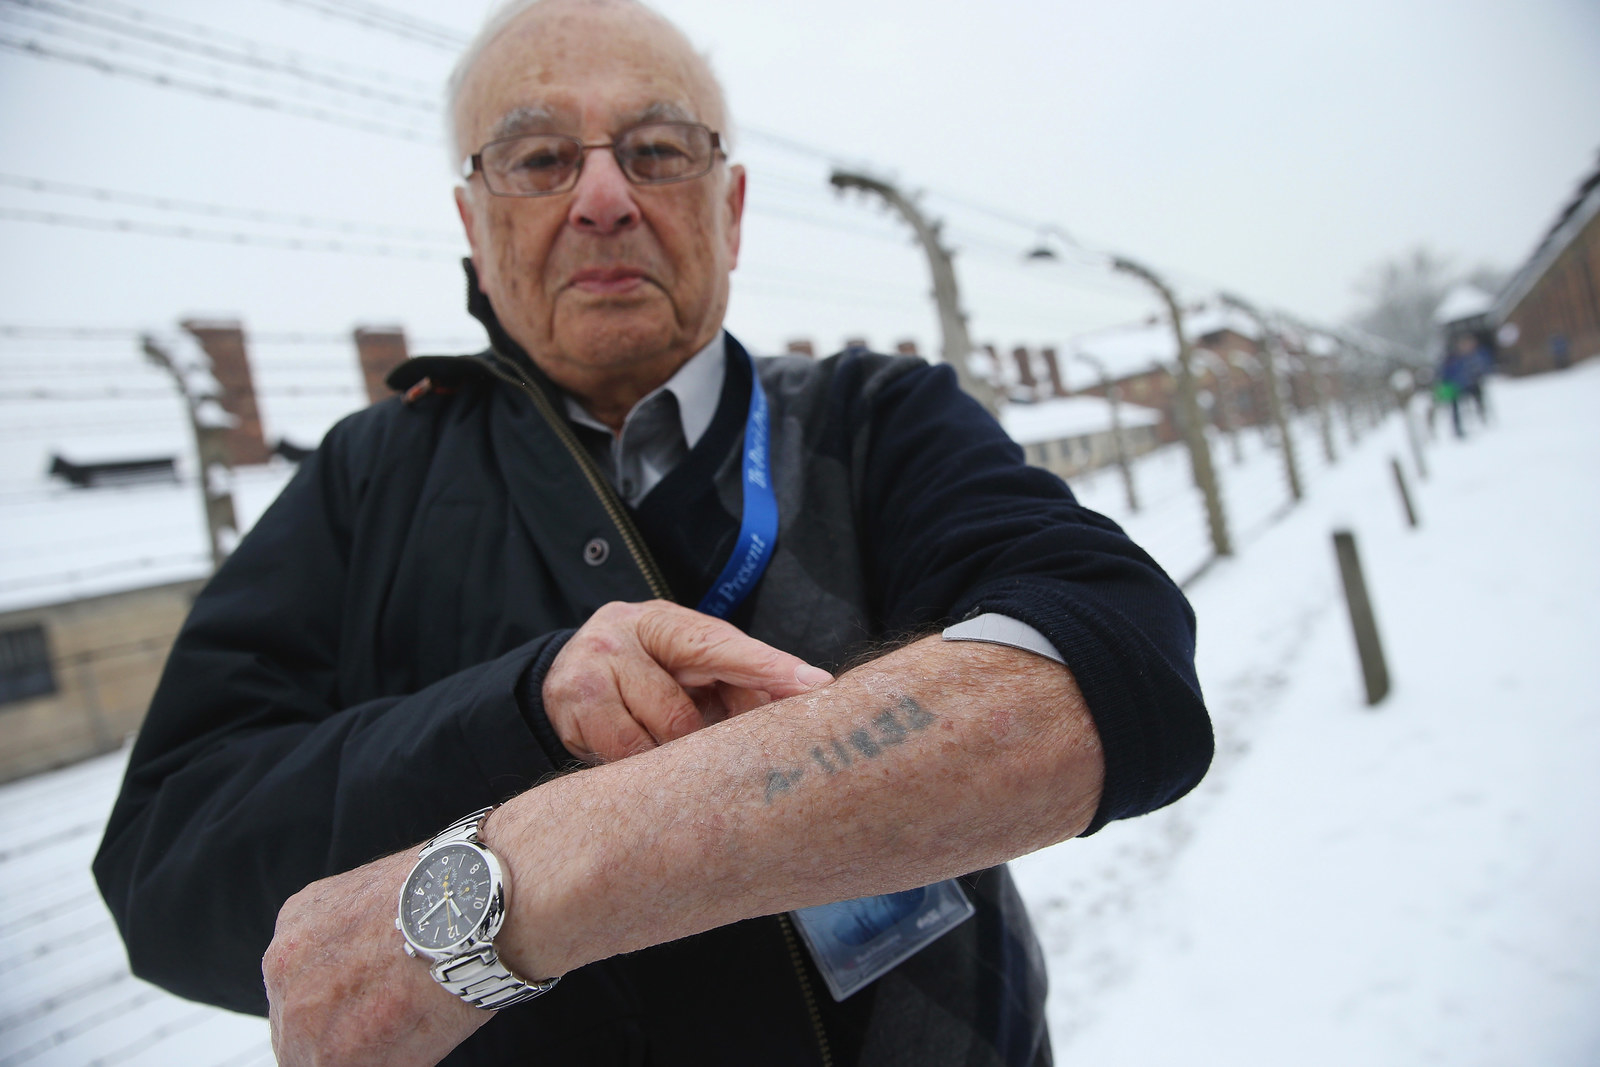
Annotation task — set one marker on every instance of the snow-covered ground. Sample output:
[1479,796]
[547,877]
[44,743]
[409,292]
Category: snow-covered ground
[66,997]
[1415,883]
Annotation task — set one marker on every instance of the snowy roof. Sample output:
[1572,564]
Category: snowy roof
[91,396]
[59,543]
[1068,416]
[1134,349]
[1320,344]
[1569,223]
[1300,337]
[1464,301]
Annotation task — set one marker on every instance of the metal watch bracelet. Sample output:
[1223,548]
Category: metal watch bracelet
[479,978]
[484,982]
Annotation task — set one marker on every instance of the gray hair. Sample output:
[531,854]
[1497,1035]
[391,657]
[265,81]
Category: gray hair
[493,26]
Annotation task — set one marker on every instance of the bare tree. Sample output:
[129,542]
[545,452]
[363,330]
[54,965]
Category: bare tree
[1399,296]
[1489,279]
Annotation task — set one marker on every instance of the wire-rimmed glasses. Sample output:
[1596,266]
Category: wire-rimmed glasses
[543,164]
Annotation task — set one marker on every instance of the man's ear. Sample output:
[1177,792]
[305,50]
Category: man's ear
[464,209]
[736,180]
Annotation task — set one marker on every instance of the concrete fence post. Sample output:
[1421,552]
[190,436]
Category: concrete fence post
[1190,422]
[216,443]
[956,345]
[1414,436]
[1269,354]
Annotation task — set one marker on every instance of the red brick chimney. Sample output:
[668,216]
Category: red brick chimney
[1025,368]
[379,349]
[223,343]
[1053,365]
[801,347]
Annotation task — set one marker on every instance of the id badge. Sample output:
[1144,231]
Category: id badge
[854,942]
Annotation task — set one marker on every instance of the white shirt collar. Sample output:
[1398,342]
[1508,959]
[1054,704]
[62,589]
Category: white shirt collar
[697,386]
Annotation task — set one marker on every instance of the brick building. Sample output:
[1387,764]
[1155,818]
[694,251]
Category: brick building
[1142,361]
[1548,315]
[76,676]
[1072,435]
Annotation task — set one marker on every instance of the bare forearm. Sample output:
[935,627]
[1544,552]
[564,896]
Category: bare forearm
[941,758]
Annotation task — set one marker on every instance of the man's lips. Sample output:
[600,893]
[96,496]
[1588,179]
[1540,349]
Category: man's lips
[607,280]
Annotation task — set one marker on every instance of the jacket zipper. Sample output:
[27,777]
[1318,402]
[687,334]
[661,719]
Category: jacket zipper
[658,585]
[815,1013]
[602,489]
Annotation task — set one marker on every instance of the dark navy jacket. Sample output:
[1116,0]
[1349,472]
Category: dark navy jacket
[366,667]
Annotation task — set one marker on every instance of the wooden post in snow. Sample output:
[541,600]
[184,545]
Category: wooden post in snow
[1405,493]
[1374,668]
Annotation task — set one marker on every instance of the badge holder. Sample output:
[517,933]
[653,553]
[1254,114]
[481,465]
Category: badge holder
[852,942]
[855,942]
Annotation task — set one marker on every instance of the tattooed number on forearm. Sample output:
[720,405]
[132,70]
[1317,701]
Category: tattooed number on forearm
[890,727]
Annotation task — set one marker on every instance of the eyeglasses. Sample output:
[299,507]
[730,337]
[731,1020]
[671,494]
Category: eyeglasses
[543,164]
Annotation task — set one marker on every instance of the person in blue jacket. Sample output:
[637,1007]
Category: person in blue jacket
[1466,364]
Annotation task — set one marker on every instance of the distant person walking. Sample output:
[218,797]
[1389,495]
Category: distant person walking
[1454,376]
[1560,351]
[1480,362]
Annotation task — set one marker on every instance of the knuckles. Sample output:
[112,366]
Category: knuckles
[617,688]
[679,719]
[339,989]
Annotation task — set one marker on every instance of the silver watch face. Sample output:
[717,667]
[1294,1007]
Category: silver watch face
[447,897]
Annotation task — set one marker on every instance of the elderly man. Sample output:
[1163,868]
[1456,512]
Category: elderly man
[475,588]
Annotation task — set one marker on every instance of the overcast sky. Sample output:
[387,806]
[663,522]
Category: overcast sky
[1275,148]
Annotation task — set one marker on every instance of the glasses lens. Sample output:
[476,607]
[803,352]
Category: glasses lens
[664,152]
[531,166]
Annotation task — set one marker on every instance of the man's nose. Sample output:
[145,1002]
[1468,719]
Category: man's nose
[602,201]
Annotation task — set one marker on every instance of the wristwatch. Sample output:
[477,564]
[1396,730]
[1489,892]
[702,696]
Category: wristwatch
[451,908]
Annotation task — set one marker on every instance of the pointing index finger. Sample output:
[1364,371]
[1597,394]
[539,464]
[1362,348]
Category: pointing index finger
[697,650]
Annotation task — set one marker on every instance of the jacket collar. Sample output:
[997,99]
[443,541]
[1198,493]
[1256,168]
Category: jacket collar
[500,342]
[502,349]
[446,370]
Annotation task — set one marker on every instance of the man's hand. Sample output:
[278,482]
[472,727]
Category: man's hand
[340,988]
[933,760]
[639,675]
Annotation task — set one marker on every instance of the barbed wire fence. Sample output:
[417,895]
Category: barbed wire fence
[93,371]
[127,42]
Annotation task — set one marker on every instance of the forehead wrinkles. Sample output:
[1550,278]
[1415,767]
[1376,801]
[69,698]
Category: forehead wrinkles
[556,56]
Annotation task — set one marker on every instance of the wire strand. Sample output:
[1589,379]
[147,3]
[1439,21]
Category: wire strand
[223,211]
[38,332]
[296,68]
[255,47]
[386,20]
[191,233]
[167,81]
[155,392]
[165,61]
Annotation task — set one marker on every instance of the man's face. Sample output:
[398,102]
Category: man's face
[609,281]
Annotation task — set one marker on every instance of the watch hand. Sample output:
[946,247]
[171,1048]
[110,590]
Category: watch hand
[431,910]
[453,907]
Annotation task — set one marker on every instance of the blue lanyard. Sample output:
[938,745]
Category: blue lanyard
[758,530]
